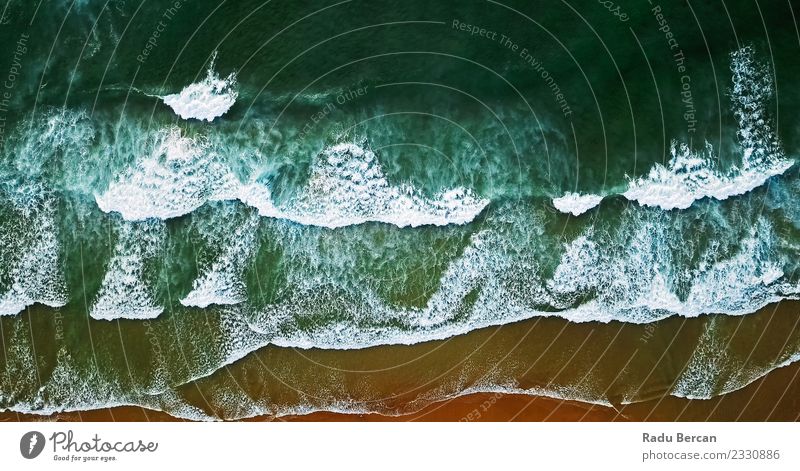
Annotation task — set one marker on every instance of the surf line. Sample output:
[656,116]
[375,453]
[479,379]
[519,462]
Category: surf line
[679,59]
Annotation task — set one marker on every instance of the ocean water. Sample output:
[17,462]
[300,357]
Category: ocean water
[229,209]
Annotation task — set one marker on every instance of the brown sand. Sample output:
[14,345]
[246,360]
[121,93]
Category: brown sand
[472,407]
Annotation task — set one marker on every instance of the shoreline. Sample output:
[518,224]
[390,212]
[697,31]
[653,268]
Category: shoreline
[472,407]
[773,397]
[435,381]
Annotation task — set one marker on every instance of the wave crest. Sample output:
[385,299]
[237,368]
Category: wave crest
[205,100]
[346,187]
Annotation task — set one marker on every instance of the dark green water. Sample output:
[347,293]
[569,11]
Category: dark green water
[372,174]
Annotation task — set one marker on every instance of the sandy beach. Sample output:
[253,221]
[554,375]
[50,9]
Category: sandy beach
[773,397]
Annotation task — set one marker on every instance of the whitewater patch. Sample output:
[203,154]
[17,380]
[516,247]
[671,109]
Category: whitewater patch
[205,100]
[693,174]
[630,278]
[35,273]
[53,146]
[125,292]
[690,176]
[576,203]
[177,175]
[221,283]
[347,186]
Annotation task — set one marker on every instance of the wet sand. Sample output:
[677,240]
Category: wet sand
[469,408]
[775,397]
[634,367]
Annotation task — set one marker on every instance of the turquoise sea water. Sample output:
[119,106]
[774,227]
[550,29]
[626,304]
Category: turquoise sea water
[360,174]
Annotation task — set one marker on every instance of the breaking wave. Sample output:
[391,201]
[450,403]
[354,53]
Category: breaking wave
[221,282]
[691,175]
[30,257]
[346,187]
[576,203]
[205,100]
[125,292]
[177,176]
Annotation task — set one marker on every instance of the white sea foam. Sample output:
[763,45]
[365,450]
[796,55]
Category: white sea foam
[125,292]
[690,175]
[205,100]
[576,203]
[553,392]
[242,407]
[53,145]
[713,370]
[639,284]
[71,387]
[35,272]
[630,277]
[346,187]
[176,175]
[222,282]
[702,375]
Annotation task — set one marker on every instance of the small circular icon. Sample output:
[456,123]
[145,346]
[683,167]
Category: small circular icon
[31,445]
